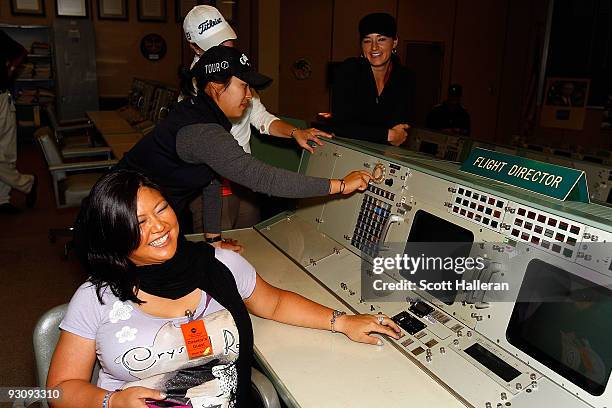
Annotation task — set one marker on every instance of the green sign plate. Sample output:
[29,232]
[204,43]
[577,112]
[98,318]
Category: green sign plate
[561,183]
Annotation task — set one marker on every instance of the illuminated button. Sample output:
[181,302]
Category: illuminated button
[541,218]
[531,215]
[463,211]
[568,252]
[478,217]
[574,230]
[497,214]
[488,211]
[465,203]
[528,225]
[552,222]
[485,221]
[473,205]
[468,193]
[549,233]
[491,201]
[535,240]
[545,244]
[515,232]
[499,204]
[521,211]
[470,214]
[556,248]
[538,229]
[560,237]
[475,196]
[525,236]
[571,241]
[483,199]
[563,226]
[455,209]
[494,224]
[481,208]
[518,222]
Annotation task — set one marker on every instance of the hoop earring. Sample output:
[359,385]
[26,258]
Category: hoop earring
[394,51]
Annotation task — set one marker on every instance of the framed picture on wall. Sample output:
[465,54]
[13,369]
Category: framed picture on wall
[28,7]
[565,103]
[152,10]
[71,8]
[112,10]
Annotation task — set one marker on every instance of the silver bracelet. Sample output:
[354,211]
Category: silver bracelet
[335,315]
[107,399]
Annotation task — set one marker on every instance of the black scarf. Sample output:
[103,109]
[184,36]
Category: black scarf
[194,266]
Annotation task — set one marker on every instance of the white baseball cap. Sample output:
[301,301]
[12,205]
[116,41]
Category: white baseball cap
[206,27]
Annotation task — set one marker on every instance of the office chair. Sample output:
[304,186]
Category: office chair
[71,181]
[73,136]
[46,335]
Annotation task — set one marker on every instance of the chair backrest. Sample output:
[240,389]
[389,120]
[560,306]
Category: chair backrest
[45,336]
[51,117]
[49,146]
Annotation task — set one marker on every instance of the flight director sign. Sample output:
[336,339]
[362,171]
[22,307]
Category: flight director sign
[547,179]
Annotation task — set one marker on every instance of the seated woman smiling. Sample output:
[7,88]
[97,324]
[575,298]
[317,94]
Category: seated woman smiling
[168,319]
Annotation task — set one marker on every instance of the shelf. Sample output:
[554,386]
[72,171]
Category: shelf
[37,56]
[34,80]
[23,26]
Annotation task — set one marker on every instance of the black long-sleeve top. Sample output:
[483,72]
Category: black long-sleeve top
[358,111]
[192,146]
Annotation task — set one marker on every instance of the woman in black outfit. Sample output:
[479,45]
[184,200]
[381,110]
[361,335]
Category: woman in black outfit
[372,94]
[192,146]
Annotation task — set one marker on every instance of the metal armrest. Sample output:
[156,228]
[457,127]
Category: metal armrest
[82,166]
[74,127]
[265,389]
[74,121]
[72,152]
[24,403]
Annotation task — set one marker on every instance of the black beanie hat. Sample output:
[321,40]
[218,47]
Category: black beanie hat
[379,23]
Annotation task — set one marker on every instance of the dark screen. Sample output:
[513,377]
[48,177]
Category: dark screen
[428,228]
[566,325]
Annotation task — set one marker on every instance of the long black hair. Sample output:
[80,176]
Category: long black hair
[107,232]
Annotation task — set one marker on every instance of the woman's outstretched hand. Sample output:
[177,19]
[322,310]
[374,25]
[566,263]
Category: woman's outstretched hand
[355,180]
[361,327]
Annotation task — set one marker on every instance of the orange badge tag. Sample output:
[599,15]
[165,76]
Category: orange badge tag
[196,339]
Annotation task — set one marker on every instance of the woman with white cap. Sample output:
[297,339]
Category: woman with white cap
[192,146]
[205,27]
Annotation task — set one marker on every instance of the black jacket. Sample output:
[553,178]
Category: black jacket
[155,154]
[9,50]
[358,111]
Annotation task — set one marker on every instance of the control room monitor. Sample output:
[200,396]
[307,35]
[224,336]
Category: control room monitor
[565,322]
[455,242]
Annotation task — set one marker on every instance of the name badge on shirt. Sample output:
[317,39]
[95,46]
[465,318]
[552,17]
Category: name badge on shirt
[196,339]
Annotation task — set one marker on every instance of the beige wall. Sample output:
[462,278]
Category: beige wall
[118,54]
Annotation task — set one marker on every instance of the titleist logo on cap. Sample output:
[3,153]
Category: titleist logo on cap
[208,24]
[216,67]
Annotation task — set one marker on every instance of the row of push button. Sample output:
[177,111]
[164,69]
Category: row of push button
[383,193]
